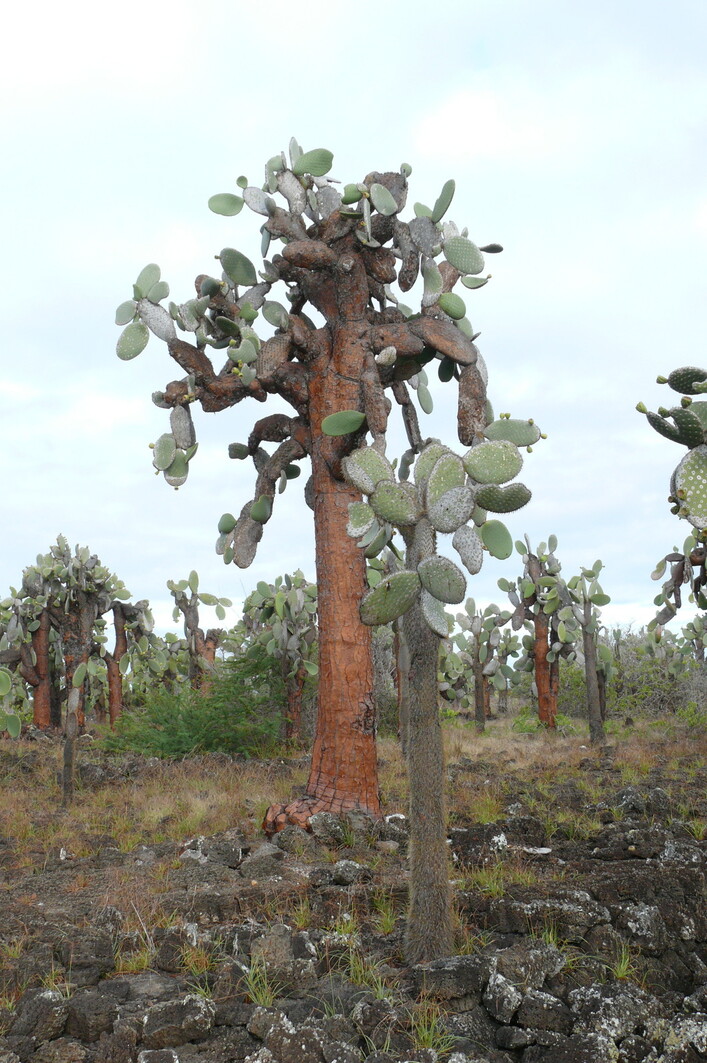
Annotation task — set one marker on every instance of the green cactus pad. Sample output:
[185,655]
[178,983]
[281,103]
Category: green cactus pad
[446,370]
[237,267]
[494,462]
[226,204]
[448,472]
[427,460]
[684,380]
[689,426]
[397,503]
[5,682]
[177,473]
[663,427]
[469,547]
[317,162]
[365,468]
[343,422]
[132,340]
[226,524]
[424,398]
[443,201]
[700,410]
[374,546]
[383,200]
[443,579]
[126,312]
[497,539]
[452,510]
[452,304]
[463,255]
[361,518]
[691,484]
[261,509]
[503,499]
[522,433]
[390,598]
[436,618]
[180,421]
[351,194]
[164,451]
[147,277]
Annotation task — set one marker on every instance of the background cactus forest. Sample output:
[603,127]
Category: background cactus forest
[321,327]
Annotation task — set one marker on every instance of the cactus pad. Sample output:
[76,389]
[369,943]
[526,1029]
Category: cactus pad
[433,611]
[448,472]
[522,433]
[494,462]
[177,473]
[469,547]
[687,380]
[164,451]
[182,427]
[428,459]
[343,422]
[502,499]
[689,426]
[365,468]
[361,518]
[497,539]
[463,255]
[443,579]
[396,503]
[390,598]
[452,304]
[452,510]
[691,484]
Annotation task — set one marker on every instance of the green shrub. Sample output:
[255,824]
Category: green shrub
[240,714]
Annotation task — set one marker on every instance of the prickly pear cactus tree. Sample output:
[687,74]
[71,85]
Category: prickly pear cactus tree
[686,424]
[65,592]
[342,251]
[483,633]
[201,646]
[447,494]
[686,567]
[695,635]
[9,720]
[581,615]
[537,598]
[282,617]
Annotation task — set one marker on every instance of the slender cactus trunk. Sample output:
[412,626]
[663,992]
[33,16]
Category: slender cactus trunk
[429,932]
[596,725]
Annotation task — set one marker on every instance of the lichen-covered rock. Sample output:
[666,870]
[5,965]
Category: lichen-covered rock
[346,872]
[542,1011]
[450,978]
[571,912]
[263,862]
[41,1015]
[501,998]
[177,1022]
[613,1011]
[528,963]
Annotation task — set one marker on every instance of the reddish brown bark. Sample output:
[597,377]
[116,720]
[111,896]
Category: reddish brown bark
[115,678]
[343,773]
[547,708]
[294,685]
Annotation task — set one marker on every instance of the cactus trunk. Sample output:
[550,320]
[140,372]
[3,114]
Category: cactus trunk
[343,774]
[547,704]
[42,693]
[429,931]
[596,724]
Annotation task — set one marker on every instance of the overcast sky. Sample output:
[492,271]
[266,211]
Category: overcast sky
[577,135]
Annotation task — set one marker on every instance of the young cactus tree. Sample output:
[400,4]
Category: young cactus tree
[202,647]
[484,628]
[579,614]
[340,253]
[282,617]
[443,497]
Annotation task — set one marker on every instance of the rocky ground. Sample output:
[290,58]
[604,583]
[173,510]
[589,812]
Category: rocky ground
[582,926]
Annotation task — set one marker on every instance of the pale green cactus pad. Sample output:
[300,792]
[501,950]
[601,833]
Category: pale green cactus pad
[522,433]
[443,579]
[691,486]
[427,460]
[398,503]
[452,304]
[497,539]
[463,255]
[448,472]
[493,462]
[502,499]
[176,474]
[436,617]
[392,597]
[452,510]
[361,518]
[365,468]
[470,548]
[164,451]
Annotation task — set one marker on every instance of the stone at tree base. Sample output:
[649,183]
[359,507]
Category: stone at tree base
[501,998]
[542,1011]
[346,872]
[63,1050]
[89,956]
[263,862]
[450,978]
